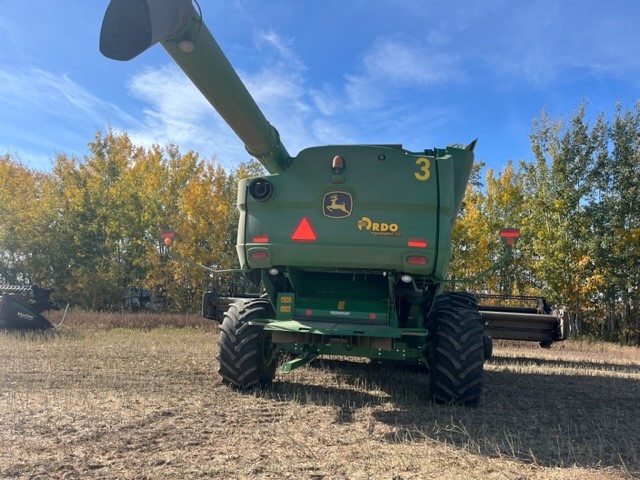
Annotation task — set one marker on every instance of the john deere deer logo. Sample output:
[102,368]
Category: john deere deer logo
[337,204]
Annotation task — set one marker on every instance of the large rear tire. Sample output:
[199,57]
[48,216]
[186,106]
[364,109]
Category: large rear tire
[246,355]
[455,330]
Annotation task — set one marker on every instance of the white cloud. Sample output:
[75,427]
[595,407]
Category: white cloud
[392,64]
[325,100]
[276,89]
[49,93]
[282,49]
[399,63]
[42,112]
[175,106]
[332,132]
[177,112]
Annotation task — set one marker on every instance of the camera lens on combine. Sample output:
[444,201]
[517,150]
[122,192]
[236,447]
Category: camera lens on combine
[261,189]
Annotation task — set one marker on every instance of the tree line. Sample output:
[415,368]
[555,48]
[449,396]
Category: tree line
[577,205]
[90,227]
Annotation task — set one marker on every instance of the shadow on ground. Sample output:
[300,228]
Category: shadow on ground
[551,419]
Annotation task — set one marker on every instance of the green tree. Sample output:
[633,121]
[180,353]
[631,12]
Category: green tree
[476,244]
[557,188]
[112,207]
[615,226]
[469,239]
[19,214]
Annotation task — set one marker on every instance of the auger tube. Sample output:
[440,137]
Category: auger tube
[132,26]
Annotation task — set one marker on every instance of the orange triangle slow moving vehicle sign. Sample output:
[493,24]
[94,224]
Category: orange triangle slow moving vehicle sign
[303,231]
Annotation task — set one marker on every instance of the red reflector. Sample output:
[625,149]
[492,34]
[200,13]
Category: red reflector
[509,236]
[259,254]
[308,312]
[416,260]
[304,231]
[372,316]
[509,232]
[261,238]
[417,242]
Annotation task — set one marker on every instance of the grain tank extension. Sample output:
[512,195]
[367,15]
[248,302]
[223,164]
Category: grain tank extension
[350,243]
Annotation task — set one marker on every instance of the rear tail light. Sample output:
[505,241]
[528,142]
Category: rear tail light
[259,254]
[416,260]
[417,242]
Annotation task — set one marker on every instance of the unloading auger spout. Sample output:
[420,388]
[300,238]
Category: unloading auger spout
[132,26]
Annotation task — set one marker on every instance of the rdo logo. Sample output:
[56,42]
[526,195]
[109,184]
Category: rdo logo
[378,228]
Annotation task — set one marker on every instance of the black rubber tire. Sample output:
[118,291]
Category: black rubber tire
[246,356]
[455,333]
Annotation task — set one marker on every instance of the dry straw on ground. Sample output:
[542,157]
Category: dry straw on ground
[93,401]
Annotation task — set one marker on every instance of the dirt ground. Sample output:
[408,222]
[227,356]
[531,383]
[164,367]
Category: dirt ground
[132,403]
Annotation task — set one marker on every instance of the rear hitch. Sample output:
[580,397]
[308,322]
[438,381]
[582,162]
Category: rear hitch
[297,362]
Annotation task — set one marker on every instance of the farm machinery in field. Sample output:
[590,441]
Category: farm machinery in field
[350,244]
[21,307]
[525,318]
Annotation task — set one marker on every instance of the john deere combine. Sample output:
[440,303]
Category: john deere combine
[350,243]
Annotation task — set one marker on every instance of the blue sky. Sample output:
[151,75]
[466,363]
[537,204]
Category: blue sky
[420,73]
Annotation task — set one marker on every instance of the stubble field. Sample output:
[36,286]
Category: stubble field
[100,399]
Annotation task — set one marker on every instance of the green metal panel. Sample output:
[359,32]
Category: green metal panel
[386,205]
[313,338]
[335,328]
[400,352]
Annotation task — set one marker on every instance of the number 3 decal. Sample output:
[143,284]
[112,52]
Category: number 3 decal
[423,173]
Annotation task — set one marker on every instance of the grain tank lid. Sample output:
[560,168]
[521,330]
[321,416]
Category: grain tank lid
[436,152]
[464,165]
[469,147]
[398,146]
[472,146]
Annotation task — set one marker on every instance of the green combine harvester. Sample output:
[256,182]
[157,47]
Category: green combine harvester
[350,243]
